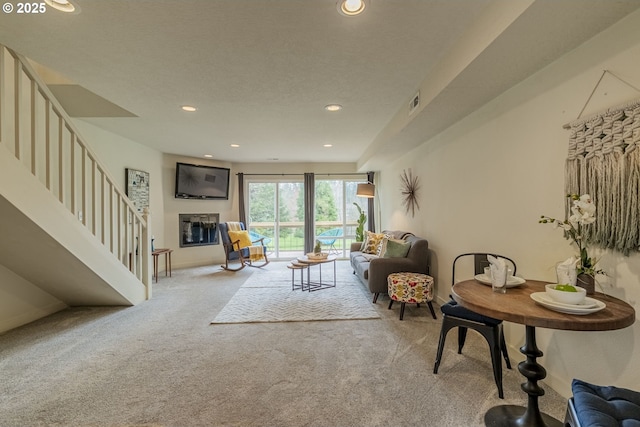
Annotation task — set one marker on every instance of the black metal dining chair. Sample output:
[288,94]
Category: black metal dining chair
[454,315]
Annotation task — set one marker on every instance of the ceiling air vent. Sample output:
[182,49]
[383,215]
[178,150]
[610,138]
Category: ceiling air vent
[415,102]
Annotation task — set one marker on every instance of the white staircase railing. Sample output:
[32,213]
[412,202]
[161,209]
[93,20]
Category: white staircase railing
[39,133]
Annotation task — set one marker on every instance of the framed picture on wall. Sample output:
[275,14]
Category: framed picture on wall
[137,184]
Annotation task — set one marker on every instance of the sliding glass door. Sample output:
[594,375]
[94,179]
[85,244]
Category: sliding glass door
[276,212]
[336,215]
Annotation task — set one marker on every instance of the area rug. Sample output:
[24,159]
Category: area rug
[267,296]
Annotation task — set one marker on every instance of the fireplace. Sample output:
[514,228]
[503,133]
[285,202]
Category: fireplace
[198,229]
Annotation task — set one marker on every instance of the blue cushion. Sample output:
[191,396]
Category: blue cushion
[453,309]
[605,406]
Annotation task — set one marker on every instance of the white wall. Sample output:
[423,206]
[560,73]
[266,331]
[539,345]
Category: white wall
[117,154]
[486,181]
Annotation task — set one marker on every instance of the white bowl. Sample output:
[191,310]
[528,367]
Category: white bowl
[564,296]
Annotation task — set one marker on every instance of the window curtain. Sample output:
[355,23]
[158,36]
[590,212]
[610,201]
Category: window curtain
[309,212]
[604,162]
[242,215]
[371,223]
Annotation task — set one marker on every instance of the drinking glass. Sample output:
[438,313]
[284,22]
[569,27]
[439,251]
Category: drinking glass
[499,281]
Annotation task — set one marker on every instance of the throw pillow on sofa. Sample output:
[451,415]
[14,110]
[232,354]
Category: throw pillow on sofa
[372,243]
[382,248]
[396,249]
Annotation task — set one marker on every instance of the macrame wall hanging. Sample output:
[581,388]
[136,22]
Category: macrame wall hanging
[604,161]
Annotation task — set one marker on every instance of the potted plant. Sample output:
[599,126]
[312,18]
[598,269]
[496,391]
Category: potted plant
[362,218]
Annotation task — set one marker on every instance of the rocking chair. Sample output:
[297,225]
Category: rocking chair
[240,249]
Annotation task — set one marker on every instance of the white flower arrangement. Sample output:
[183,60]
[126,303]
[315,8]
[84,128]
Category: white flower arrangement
[583,212]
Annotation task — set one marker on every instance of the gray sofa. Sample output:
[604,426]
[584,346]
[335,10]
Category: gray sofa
[373,271]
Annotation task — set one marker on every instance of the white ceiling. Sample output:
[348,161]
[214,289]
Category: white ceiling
[261,71]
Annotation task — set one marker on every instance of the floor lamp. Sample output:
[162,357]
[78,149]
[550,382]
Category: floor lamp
[366,190]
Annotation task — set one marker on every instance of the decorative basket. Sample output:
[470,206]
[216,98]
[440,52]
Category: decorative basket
[321,255]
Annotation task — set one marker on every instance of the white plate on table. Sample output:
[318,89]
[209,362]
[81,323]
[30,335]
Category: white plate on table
[590,305]
[512,281]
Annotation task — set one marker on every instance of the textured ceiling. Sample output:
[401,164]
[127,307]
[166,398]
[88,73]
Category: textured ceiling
[261,71]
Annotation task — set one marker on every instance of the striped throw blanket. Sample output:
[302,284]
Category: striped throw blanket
[256,253]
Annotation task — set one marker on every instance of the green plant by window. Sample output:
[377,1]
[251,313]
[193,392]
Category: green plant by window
[362,218]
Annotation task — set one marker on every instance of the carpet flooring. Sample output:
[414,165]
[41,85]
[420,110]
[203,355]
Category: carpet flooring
[163,364]
[268,297]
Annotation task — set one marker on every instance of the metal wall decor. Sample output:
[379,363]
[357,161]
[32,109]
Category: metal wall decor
[138,188]
[410,187]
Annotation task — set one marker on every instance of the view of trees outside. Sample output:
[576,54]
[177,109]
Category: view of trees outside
[276,211]
[261,205]
[291,221]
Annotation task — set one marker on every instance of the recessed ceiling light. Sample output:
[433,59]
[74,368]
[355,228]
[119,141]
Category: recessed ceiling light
[208,156]
[328,145]
[189,108]
[333,107]
[351,7]
[234,145]
[62,5]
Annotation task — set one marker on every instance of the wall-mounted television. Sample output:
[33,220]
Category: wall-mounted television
[201,182]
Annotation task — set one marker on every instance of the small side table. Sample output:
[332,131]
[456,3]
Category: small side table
[293,267]
[167,261]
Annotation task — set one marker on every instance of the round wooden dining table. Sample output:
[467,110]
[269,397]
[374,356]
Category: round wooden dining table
[517,306]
